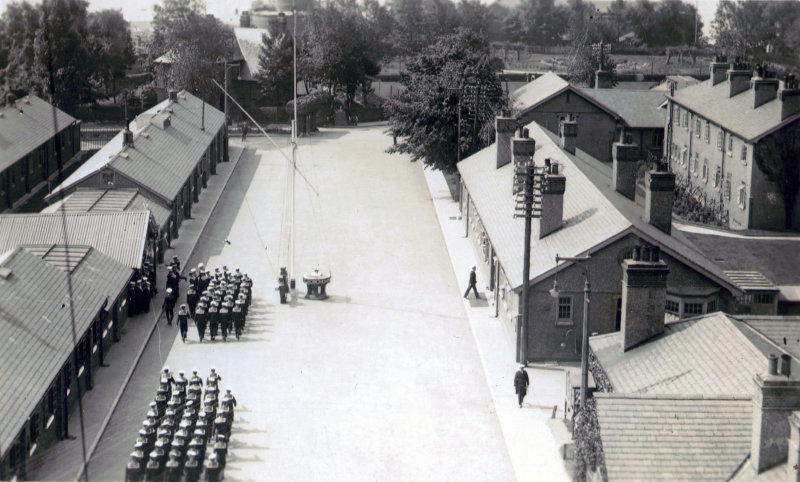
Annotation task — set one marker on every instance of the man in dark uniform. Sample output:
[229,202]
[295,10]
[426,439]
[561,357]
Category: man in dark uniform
[213,319]
[174,470]
[238,318]
[151,277]
[225,319]
[193,468]
[147,295]
[192,297]
[212,469]
[521,383]
[213,377]
[200,320]
[183,322]
[132,299]
[175,263]
[169,305]
[230,400]
[473,284]
[221,450]
[139,296]
[133,471]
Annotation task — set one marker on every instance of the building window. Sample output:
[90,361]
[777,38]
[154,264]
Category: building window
[743,196]
[705,170]
[697,127]
[33,427]
[708,132]
[711,306]
[696,162]
[564,308]
[719,140]
[728,186]
[717,177]
[658,139]
[692,309]
[677,115]
[762,298]
[108,178]
[684,155]
[744,154]
[686,120]
[672,307]
[730,145]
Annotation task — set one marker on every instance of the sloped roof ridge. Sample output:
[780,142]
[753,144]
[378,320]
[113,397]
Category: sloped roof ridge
[669,396]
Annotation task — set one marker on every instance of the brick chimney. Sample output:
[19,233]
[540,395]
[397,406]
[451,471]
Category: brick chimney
[173,95]
[522,148]
[719,68]
[504,130]
[776,396]
[603,79]
[644,292]
[623,169]
[789,95]
[794,446]
[568,131]
[127,137]
[553,187]
[738,78]
[765,88]
[659,197]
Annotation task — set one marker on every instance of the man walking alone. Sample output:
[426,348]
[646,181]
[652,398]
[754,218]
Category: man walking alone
[521,383]
[473,284]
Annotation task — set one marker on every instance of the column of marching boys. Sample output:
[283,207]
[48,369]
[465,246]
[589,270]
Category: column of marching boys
[217,301]
[185,435]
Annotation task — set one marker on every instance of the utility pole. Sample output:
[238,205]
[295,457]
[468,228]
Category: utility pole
[529,206]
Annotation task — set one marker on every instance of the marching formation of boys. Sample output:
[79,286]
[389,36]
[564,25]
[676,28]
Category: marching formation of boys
[186,433]
[141,289]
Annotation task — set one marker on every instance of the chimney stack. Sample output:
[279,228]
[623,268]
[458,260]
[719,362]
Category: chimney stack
[568,130]
[765,87]
[553,187]
[644,292]
[738,78]
[173,95]
[504,128]
[522,150]
[789,95]
[603,79]
[127,138]
[623,169]
[659,197]
[775,399]
[718,68]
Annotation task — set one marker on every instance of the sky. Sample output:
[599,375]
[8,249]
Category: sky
[228,10]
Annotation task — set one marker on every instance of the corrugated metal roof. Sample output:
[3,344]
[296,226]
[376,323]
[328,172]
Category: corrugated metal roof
[672,438]
[692,357]
[751,281]
[121,236]
[783,331]
[736,113]
[589,218]
[110,200]
[36,327]
[26,125]
[250,41]
[161,159]
[637,108]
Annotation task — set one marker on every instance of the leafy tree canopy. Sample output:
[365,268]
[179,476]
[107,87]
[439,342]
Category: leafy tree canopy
[454,72]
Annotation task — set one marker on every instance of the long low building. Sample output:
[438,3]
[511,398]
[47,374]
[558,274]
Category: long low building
[60,309]
[168,155]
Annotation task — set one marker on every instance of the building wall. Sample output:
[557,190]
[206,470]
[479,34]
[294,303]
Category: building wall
[721,166]
[596,128]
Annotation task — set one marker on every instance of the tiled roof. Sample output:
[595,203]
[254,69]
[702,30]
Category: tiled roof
[36,329]
[589,218]
[27,125]
[106,275]
[783,331]
[773,256]
[594,215]
[692,357]
[161,159]
[751,280]
[735,113]
[537,91]
[669,438]
[637,108]
[680,81]
[120,236]
[110,200]
[250,41]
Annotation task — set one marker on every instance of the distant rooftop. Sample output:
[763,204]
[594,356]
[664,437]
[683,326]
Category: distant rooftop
[90,200]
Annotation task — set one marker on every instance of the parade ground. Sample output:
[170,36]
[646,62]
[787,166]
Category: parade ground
[394,376]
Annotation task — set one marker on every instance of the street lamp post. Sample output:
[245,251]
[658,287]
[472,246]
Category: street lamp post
[585,335]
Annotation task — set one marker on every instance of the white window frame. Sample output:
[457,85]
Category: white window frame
[744,154]
[743,196]
[708,132]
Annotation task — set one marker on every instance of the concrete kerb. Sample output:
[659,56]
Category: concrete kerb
[129,374]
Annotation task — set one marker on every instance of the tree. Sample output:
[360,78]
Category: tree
[778,157]
[343,48]
[196,46]
[19,24]
[424,117]
[538,22]
[276,67]
[588,60]
[110,46]
[743,29]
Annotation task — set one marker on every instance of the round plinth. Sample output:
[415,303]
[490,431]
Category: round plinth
[315,284]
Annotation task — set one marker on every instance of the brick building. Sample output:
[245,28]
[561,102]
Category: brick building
[601,114]
[585,211]
[30,132]
[167,155]
[40,359]
[718,130]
